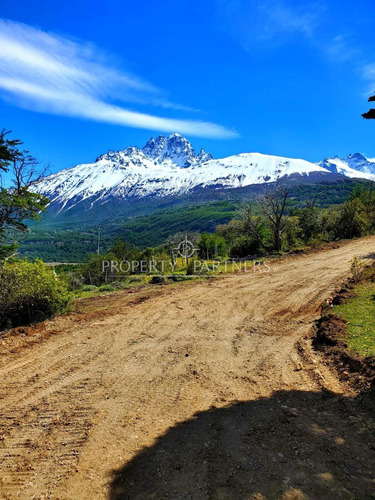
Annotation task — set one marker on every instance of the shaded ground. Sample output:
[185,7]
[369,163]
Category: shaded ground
[292,445]
[91,403]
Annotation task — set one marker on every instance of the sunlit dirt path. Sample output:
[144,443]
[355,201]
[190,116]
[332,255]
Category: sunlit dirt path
[190,391]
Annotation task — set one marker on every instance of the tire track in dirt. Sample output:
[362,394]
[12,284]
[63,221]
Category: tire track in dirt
[85,401]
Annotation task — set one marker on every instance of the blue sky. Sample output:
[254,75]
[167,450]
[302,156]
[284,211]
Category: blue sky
[282,77]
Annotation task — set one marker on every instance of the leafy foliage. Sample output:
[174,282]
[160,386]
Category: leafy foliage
[370,115]
[211,246]
[351,221]
[18,202]
[29,292]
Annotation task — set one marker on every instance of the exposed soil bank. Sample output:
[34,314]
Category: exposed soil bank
[330,336]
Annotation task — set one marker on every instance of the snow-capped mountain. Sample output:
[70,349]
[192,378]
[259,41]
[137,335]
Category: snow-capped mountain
[355,166]
[169,166]
[174,150]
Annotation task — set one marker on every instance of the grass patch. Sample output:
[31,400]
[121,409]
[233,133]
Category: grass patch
[359,312]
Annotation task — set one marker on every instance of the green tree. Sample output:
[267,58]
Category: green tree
[370,115]
[244,246]
[255,227]
[274,205]
[352,221]
[309,222]
[18,202]
[292,233]
[8,150]
[366,194]
[211,246]
[231,231]
[124,251]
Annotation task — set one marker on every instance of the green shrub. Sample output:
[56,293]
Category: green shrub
[136,280]
[107,288]
[89,288]
[211,246]
[123,284]
[157,280]
[357,269]
[352,221]
[29,292]
[244,246]
[91,272]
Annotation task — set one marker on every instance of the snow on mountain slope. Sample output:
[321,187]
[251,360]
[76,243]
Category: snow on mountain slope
[168,166]
[354,166]
[253,168]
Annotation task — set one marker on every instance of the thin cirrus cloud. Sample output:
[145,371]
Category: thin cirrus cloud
[368,73]
[284,19]
[267,21]
[49,73]
[341,49]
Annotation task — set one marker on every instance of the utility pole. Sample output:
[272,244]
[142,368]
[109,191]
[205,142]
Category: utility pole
[98,250]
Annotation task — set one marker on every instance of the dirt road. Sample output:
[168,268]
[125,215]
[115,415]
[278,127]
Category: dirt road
[189,391]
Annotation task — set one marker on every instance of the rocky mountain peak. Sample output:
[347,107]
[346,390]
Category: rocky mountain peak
[353,164]
[176,148]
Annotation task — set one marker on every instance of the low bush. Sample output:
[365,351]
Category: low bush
[89,288]
[157,280]
[357,269]
[107,288]
[30,292]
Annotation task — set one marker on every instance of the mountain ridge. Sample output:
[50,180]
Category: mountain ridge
[169,166]
[354,165]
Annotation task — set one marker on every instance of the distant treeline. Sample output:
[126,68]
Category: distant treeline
[74,243]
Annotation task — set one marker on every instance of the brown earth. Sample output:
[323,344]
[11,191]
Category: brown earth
[201,390]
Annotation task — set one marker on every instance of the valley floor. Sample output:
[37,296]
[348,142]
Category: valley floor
[191,391]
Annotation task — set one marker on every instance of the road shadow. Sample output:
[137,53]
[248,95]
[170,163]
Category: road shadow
[292,446]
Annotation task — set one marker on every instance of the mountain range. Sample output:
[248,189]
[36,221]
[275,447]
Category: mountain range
[168,167]
[144,195]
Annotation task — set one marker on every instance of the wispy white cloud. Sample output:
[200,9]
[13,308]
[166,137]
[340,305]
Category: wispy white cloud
[368,73]
[341,49]
[254,21]
[283,18]
[49,73]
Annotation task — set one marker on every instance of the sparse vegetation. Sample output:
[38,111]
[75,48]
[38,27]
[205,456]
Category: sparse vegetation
[359,314]
[358,269]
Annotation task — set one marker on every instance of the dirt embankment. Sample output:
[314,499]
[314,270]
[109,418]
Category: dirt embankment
[194,391]
[330,337]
